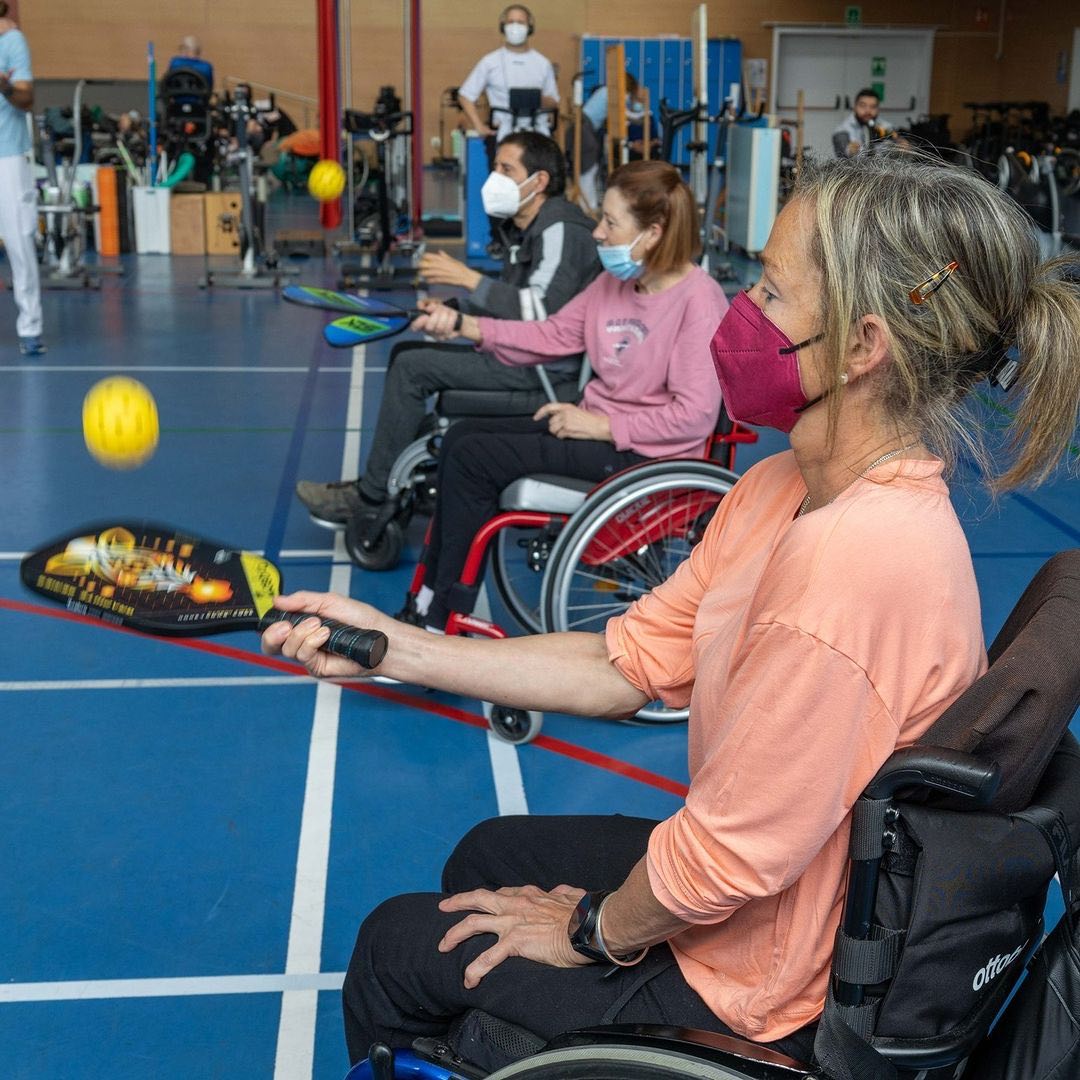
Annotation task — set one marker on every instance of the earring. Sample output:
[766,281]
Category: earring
[843,377]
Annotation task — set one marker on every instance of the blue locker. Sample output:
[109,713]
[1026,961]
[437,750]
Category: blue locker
[633,58]
[725,68]
[592,63]
[666,66]
[651,69]
[671,85]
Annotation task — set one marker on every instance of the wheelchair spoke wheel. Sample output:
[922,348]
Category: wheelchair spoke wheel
[629,541]
[518,565]
[628,538]
[615,1063]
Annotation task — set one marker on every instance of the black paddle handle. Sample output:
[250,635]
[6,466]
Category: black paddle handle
[366,647]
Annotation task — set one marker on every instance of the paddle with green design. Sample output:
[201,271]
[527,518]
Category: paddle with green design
[331,300]
[368,318]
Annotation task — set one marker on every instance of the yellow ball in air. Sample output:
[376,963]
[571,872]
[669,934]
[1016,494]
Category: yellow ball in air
[326,181]
[120,422]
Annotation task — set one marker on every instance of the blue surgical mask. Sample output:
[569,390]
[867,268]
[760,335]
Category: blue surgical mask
[619,261]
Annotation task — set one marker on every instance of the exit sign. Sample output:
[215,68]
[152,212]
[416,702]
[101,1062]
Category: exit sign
[853,15]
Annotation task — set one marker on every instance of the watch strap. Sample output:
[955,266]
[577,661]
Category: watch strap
[586,935]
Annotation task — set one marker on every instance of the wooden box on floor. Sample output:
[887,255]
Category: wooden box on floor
[187,223]
[222,222]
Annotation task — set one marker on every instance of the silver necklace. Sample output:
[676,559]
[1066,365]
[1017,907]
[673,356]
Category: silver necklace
[805,505]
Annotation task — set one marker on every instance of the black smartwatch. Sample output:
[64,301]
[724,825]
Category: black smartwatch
[585,935]
[582,927]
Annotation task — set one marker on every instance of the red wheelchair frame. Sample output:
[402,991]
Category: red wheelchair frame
[635,527]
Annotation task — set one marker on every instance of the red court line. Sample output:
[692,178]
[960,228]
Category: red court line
[376,690]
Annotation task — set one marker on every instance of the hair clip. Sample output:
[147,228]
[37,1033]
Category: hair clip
[931,285]
[1004,375]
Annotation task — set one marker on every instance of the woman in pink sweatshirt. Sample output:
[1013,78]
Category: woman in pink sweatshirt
[828,616]
[645,326]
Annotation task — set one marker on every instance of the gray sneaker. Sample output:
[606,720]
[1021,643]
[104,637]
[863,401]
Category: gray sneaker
[32,346]
[331,504]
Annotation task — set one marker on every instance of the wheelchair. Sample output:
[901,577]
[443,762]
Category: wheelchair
[411,484]
[901,1002]
[569,554]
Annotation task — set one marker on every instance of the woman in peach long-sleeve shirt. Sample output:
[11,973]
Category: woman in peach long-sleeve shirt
[806,658]
[827,617]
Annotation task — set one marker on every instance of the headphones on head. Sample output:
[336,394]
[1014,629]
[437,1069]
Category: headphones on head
[516,7]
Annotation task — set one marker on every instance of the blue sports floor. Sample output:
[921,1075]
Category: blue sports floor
[190,835]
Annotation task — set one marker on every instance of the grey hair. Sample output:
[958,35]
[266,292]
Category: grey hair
[886,223]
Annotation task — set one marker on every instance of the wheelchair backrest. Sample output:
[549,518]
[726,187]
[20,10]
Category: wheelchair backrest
[1018,711]
[957,894]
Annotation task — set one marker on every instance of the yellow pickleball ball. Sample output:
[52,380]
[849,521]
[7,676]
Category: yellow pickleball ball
[120,422]
[326,181]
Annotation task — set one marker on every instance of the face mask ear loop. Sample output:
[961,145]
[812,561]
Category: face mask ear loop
[630,249]
[795,348]
[531,195]
[813,401]
[789,349]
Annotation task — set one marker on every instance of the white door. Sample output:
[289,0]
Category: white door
[831,65]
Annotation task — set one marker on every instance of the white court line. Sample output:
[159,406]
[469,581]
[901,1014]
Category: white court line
[191,986]
[505,763]
[295,1055]
[153,684]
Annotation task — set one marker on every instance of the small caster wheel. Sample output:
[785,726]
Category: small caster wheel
[379,554]
[515,725]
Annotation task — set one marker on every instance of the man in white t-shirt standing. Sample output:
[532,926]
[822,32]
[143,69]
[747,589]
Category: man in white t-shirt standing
[514,66]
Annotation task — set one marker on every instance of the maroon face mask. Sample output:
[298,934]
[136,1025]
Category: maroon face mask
[757,367]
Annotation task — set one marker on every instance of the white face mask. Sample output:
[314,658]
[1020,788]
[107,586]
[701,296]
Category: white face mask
[516,33]
[502,196]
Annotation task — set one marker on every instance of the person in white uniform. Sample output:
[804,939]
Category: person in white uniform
[513,66]
[18,195]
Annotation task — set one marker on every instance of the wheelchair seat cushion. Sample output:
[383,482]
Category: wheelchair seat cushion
[547,494]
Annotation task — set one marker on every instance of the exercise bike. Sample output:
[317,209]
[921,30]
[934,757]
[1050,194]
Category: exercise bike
[67,215]
[260,267]
[378,215]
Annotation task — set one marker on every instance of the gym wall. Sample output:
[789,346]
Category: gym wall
[273,41]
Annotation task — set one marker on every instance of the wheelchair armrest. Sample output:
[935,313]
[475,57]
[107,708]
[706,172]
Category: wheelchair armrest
[457,404]
[935,768]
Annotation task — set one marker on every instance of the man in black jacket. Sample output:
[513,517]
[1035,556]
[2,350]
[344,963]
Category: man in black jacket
[550,257]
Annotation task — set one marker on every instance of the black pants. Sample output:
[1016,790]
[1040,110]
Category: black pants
[477,460]
[399,986]
[419,369]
